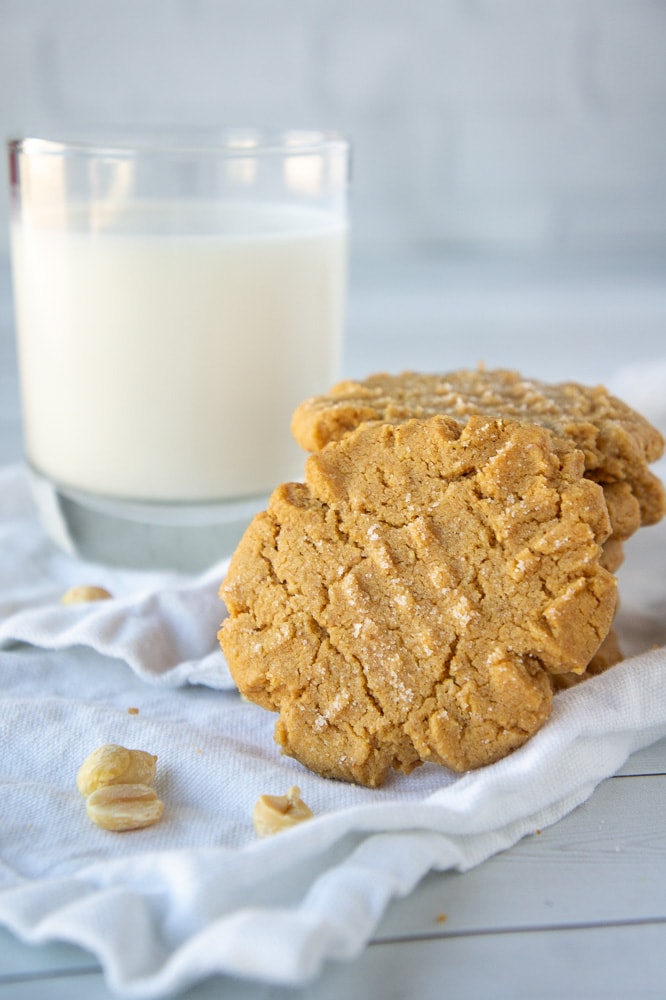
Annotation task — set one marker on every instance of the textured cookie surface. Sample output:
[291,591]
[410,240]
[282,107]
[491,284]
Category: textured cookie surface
[608,654]
[617,442]
[410,601]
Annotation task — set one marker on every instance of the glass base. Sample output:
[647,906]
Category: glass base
[184,537]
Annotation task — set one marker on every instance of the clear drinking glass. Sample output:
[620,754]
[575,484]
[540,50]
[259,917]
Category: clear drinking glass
[176,297]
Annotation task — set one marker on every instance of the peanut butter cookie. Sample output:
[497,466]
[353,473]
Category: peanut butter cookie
[618,443]
[410,601]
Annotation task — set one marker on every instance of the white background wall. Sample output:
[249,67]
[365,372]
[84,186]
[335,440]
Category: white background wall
[478,125]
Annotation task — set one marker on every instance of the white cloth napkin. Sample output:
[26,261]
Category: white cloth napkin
[163,625]
[199,893]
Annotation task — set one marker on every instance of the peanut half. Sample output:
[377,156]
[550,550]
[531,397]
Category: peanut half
[273,813]
[124,807]
[114,765]
[83,593]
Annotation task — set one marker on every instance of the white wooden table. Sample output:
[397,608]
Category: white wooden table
[574,911]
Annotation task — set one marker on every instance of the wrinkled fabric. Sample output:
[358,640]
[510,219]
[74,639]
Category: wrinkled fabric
[163,625]
[199,893]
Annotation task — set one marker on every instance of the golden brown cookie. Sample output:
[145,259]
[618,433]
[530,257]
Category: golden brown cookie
[612,555]
[409,601]
[617,442]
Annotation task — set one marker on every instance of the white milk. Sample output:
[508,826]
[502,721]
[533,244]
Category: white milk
[166,367]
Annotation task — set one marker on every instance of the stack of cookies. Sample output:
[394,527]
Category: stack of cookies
[446,566]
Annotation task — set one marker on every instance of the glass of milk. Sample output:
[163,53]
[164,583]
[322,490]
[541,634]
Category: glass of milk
[176,297]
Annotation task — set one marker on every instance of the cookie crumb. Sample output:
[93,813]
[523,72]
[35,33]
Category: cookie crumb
[132,711]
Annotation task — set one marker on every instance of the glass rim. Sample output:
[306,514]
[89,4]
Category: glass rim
[225,142]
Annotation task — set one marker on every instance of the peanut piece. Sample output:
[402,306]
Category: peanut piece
[273,813]
[115,765]
[79,595]
[124,807]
